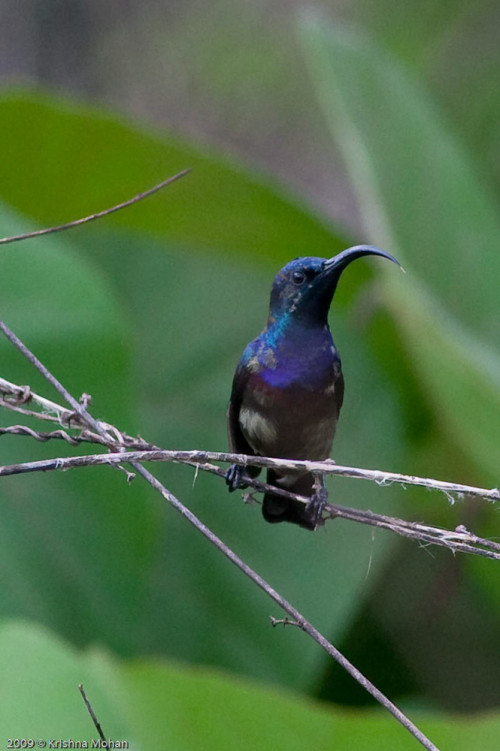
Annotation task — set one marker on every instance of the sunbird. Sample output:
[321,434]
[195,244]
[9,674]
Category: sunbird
[288,387]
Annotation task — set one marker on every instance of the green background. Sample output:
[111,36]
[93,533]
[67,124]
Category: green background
[149,310]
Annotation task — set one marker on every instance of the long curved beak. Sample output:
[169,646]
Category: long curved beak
[339,262]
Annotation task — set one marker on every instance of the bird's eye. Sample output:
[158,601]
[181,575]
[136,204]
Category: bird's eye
[298,277]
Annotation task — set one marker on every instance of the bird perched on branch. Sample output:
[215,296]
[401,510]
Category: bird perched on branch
[288,387]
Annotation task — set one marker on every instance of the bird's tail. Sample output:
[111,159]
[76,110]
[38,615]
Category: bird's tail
[276,509]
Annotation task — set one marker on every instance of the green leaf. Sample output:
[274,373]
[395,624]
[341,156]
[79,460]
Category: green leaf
[64,308]
[220,205]
[184,369]
[417,188]
[156,705]
[418,33]
[188,310]
[460,372]
[69,546]
[420,196]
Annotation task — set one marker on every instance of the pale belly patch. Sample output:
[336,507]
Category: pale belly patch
[256,427]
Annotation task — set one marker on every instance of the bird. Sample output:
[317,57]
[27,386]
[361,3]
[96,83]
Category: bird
[288,387]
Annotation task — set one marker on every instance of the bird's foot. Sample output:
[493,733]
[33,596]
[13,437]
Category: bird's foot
[236,477]
[250,499]
[314,508]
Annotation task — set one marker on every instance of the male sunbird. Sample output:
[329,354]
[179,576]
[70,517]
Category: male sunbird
[288,387]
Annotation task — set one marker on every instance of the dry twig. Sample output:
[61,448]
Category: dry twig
[295,615]
[98,215]
[91,712]
[458,540]
[65,417]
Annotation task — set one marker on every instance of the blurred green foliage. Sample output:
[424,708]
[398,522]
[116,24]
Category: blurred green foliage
[158,705]
[149,311]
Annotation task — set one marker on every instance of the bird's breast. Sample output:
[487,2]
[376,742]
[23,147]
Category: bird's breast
[289,421]
[257,427]
[291,393]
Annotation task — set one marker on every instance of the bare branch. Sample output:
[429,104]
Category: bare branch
[283,621]
[91,712]
[78,407]
[202,457]
[458,540]
[92,217]
[223,548]
[122,440]
[14,396]
[65,416]
[43,437]
[296,616]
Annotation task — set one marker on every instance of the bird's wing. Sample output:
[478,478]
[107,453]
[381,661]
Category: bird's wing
[237,441]
[339,392]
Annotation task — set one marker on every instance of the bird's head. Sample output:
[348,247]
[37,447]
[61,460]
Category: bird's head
[304,288]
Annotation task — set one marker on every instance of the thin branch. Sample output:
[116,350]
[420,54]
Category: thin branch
[64,416]
[92,217]
[78,407]
[24,430]
[296,616]
[329,467]
[283,621]
[202,457]
[459,540]
[223,548]
[91,712]
[30,412]
[14,396]
[84,436]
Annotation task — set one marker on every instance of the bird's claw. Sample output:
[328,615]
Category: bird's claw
[314,508]
[236,478]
